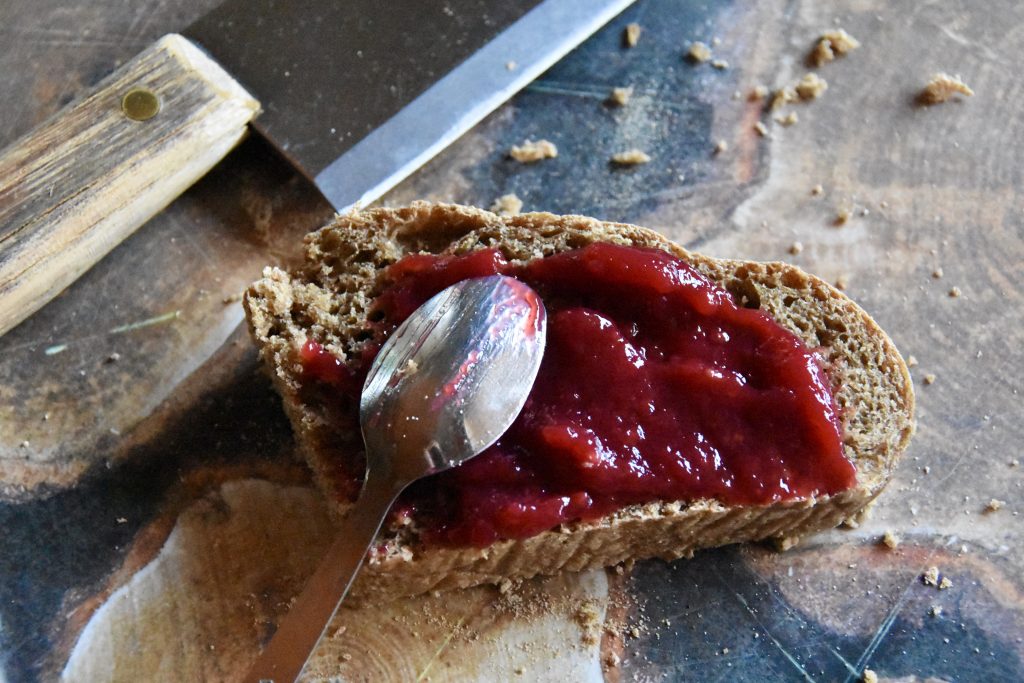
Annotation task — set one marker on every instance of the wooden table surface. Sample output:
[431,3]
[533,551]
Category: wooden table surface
[156,523]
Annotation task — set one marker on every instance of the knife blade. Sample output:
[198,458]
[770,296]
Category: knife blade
[357,95]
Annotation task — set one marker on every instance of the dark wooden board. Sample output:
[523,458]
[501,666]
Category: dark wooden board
[130,444]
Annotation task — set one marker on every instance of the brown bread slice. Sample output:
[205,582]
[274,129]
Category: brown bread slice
[327,300]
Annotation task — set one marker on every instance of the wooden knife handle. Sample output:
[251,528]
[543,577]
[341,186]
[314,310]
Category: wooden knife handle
[77,185]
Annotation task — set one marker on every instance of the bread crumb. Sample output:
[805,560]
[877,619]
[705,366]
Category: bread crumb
[811,87]
[796,248]
[113,358]
[930,378]
[720,64]
[842,282]
[830,45]
[504,586]
[870,676]
[911,361]
[716,41]
[994,505]
[620,96]
[761,130]
[635,632]
[588,617]
[941,88]
[757,93]
[955,292]
[612,660]
[782,97]
[507,205]
[890,540]
[785,543]
[787,120]
[631,35]
[698,53]
[511,65]
[843,215]
[817,190]
[1014,463]
[930,576]
[721,146]
[531,151]
[935,611]
[630,157]
[937,273]
[347,657]
[945,583]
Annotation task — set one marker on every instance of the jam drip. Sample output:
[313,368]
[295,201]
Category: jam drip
[655,386]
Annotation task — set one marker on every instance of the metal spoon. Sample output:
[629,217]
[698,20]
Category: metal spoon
[447,383]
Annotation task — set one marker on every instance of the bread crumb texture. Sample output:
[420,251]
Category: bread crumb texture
[832,44]
[630,157]
[329,297]
[507,205]
[932,577]
[890,540]
[760,129]
[620,96]
[811,87]
[994,505]
[870,676]
[530,151]
[942,87]
[720,64]
[757,93]
[631,35]
[788,120]
[698,52]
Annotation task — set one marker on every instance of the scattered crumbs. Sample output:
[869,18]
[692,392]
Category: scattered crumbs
[842,216]
[945,583]
[994,505]
[832,44]
[635,632]
[720,64]
[588,617]
[883,204]
[631,35]
[716,41]
[937,273]
[620,96]
[787,120]
[911,361]
[761,130]
[612,660]
[890,540]
[935,611]
[721,146]
[122,520]
[941,88]
[511,65]
[114,357]
[630,157]
[757,93]
[817,190]
[930,576]
[531,151]
[231,299]
[811,87]
[842,282]
[930,378]
[955,292]
[870,676]
[796,248]
[787,542]
[504,586]
[698,53]
[507,205]
[725,650]
[782,97]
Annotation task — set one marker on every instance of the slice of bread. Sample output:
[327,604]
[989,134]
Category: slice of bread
[328,298]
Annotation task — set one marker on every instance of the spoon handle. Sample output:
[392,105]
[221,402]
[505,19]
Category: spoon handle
[298,634]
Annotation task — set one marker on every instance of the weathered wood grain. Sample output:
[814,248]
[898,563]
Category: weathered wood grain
[76,186]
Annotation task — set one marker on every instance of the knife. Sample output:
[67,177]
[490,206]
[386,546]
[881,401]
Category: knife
[355,94]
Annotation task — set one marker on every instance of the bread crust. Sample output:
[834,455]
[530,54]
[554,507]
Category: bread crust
[328,298]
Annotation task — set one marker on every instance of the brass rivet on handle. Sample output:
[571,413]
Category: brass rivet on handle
[140,104]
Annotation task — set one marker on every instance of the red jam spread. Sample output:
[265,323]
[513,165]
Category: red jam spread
[655,385]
